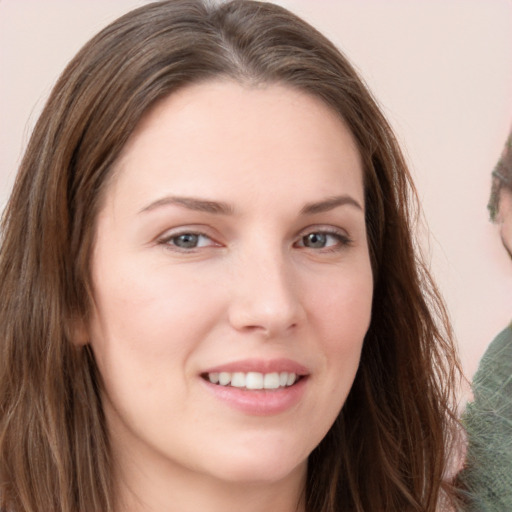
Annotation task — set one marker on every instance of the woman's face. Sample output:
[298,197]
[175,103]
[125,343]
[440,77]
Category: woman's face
[230,256]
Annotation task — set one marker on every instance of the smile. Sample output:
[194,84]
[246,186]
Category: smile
[258,387]
[253,380]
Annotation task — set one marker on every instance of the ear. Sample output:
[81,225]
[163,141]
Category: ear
[77,332]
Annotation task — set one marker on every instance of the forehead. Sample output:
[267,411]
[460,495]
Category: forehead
[222,134]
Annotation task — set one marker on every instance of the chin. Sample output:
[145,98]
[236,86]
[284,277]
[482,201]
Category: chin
[260,466]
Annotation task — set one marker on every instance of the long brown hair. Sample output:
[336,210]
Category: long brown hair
[388,449]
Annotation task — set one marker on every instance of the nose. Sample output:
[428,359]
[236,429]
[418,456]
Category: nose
[265,298]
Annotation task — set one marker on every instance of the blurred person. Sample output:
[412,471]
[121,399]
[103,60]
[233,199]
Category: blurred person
[487,477]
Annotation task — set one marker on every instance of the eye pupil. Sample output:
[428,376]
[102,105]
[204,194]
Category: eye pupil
[315,240]
[186,241]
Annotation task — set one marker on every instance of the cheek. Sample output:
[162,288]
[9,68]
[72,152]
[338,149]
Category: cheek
[146,321]
[145,330]
[506,230]
[153,298]
[342,314]
[343,309]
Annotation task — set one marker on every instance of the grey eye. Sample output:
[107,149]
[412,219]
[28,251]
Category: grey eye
[186,240]
[315,240]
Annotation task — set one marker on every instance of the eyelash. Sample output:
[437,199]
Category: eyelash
[167,241]
[342,239]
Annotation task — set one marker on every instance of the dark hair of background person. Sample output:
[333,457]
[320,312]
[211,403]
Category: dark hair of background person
[389,447]
[501,178]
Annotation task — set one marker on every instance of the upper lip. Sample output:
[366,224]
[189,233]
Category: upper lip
[261,366]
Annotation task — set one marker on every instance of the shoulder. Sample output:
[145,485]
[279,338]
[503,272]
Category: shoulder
[495,368]
[488,422]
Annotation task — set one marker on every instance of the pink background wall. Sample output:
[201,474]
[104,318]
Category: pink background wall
[442,72]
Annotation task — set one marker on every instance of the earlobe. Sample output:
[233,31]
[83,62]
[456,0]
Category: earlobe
[77,332]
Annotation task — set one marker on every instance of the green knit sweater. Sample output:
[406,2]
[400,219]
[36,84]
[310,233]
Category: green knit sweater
[488,421]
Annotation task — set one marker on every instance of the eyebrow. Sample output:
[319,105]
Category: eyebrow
[222,208]
[329,204]
[192,203]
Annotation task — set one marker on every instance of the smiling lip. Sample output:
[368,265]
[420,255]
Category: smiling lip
[260,402]
[261,366]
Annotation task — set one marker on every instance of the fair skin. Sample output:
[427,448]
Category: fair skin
[504,218]
[231,240]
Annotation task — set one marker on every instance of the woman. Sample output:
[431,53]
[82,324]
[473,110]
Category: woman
[211,296]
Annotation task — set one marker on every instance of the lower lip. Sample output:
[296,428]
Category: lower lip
[259,402]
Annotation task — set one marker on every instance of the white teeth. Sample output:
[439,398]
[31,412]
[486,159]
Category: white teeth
[271,381]
[238,380]
[291,379]
[253,380]
[213,378]
[224,378]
